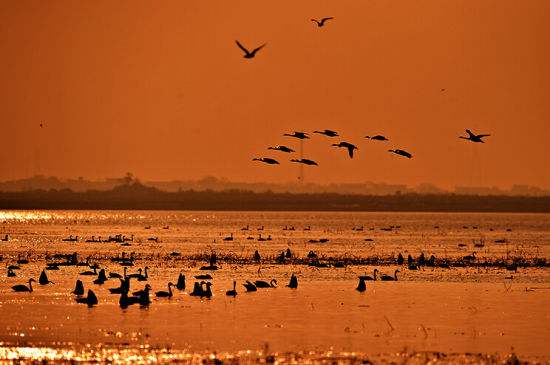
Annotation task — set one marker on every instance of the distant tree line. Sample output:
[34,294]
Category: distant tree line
[138,196]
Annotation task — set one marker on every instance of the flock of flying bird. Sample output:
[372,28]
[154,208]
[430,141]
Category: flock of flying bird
[349,146]
[330,133]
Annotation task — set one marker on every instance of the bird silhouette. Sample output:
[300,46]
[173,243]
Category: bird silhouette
[401,153]
[321,23]
[385,277]
[180,285]
[247,53]
[377,137]
[305,161]
[43,279]
[349,146]
[367,277]
[474,137]
[250,286]
[361,287]
[23,288]
[232,293]
[90,299]
[293,283]
[165,294]
[265,284]
[328,133]
[79,288]
[299,135]
[267,160]
[281,148]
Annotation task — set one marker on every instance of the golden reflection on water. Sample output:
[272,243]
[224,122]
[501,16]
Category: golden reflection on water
[147,355]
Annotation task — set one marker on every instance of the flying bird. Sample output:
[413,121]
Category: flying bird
[401,153]
[299,135]
[378,137]
[347,145]
[328,133]
[281,148]
[267,160]
[321,22]
[474,137]
[247,53]
[305,161]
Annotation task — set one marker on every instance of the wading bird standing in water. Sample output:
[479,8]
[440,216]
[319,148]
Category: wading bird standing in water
[267,160]
[247,53]
[401,153]
[347,145]
[474,137]
[321,23]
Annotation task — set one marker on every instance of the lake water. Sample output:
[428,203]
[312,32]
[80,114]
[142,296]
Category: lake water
[458,311]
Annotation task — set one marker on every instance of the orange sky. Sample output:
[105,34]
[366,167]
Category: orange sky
[159,88]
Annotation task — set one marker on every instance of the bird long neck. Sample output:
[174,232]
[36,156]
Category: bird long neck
[30,285]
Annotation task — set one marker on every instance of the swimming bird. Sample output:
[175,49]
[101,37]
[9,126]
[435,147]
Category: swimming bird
[401,153]
[349,146]
[321,23]
[101,277]
[23,288]
[145,276]
[90,299]
[281,148]
[293,283]
[328,133]
[11,273]
[79,288]
[400,259]
[136,275]
[250,286]
[124,286]
[43,279]
[197,289]
[247,53]
[299,135]
[371,278]
[471,257]
[385,277]
[165,294]
[257,256]
[305,161]
[180,285]
[229,238]
[208,291]
[125,301]
[361,287]
[265,284]
[377,137]
[267,160]
[232,293]
[475,137]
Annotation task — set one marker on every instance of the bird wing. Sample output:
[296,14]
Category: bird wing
[315,20]
[483,135]
[350,150]
[258,48]
[242,47]
[325,19]
[470,133]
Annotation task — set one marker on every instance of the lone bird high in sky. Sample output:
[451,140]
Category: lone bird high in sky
[247,53]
